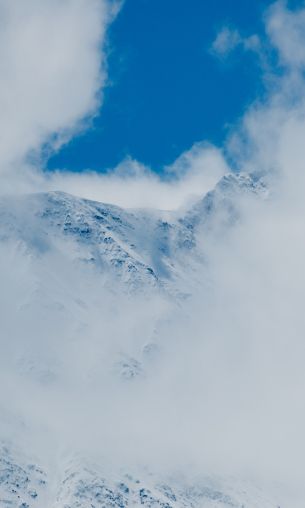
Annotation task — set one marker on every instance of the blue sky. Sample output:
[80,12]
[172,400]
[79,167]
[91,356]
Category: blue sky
[165,89]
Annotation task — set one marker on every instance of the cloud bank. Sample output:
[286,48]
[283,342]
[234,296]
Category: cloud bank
[53,70]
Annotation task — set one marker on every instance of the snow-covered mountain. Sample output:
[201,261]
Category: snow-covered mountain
[138,253]
[142,248]
[81,484]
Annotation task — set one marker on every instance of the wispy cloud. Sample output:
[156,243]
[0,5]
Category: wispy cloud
[228,39]
[132,184]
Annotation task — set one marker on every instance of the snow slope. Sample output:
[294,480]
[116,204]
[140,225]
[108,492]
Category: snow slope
[81,484]
[133,252]
[143,249]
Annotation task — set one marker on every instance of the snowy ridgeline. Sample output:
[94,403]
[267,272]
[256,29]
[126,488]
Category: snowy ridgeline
[142,249]
[136,252]
[77,484]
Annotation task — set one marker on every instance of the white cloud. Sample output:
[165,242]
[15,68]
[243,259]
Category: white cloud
[52,71]
[286,31]
[229,39]
[226,41]
[133,185]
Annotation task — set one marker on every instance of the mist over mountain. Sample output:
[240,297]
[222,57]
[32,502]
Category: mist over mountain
[151,323]
[104,298]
